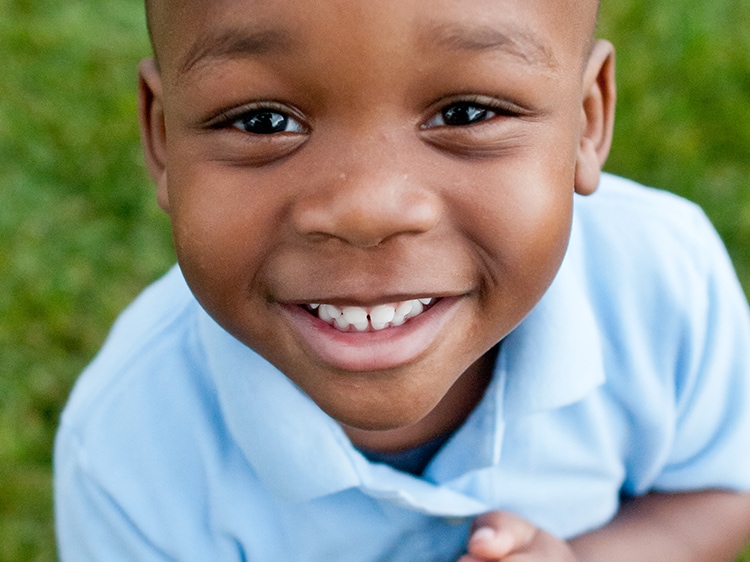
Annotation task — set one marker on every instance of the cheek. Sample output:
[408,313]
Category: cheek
[222,229]
[535,218]
[519,221]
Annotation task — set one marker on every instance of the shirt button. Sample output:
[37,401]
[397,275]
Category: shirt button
[454,521]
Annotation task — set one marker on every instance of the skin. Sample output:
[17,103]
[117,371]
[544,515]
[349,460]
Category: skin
[706,526]
[345,210]
[370,194]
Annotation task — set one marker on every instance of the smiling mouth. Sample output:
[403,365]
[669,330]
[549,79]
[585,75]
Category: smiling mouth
[374,318]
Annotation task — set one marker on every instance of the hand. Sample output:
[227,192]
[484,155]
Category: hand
[501,536]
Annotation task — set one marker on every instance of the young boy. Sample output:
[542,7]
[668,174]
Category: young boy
[395,334]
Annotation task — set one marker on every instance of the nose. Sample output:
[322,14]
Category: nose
[366,209]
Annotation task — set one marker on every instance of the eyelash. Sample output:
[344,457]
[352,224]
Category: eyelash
[488,109]
[232,117]
[481,108]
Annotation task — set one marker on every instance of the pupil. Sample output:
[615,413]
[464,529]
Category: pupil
[463,114]
[266,123]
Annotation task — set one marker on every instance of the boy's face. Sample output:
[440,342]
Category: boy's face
[362,154]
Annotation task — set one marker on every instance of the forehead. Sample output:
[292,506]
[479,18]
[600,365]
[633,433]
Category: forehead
[187,33]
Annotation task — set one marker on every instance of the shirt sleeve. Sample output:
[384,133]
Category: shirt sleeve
[711,439]
[90,525]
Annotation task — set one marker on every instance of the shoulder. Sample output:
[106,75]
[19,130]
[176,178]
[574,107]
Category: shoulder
[141,422]
[143,438]
[133,400]
[147,336]
[625,210]
[674,325]
[655,269]
[648,244]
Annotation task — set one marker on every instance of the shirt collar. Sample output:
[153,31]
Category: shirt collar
[554,357]
[296,449]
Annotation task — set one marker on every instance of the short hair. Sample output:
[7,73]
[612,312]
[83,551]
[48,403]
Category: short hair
[149,6]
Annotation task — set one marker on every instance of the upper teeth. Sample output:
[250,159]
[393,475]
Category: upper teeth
[378,317]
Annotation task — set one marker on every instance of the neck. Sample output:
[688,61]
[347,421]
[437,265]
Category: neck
[445,418]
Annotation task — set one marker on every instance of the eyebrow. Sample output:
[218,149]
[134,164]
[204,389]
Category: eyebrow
[245,43]
[516,42]
[236,43]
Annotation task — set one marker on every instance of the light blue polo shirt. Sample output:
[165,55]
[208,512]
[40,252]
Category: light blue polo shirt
[631,374]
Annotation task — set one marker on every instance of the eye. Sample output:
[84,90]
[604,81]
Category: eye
[461,114]
[266,121]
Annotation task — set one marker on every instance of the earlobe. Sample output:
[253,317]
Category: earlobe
[153,129]
[598,115]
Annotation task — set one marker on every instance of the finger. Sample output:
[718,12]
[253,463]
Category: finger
[498,534]
[491,543]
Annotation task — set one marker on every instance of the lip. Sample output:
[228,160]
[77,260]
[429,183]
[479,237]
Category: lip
[371,350]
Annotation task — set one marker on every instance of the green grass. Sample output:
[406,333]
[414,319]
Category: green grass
[684,106]
[81,234]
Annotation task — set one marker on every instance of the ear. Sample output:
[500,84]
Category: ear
[153,129]
[598,116]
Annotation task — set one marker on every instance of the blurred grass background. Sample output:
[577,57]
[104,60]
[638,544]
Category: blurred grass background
[80,233]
